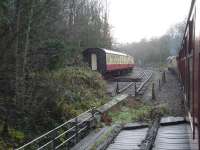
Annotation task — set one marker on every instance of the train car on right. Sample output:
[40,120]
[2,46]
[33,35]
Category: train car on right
[188,61]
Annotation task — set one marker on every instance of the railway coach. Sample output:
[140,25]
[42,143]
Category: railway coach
[108,61]
[188,62]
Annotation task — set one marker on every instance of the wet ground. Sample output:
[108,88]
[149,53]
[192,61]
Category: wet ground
[169,95]
[175,137]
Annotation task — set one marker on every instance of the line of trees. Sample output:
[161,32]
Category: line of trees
[28,28]
[156,50]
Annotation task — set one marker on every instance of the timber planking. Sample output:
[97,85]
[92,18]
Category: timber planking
[128,140]
[175,137]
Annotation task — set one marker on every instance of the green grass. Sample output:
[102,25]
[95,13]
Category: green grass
[131,114]
[140,112]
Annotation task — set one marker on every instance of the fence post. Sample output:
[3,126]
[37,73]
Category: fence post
[94,121]
[135,89]
[76,130]
[53,145]
[159,86]
[67,147]
[117,88]
[93,112]
[164,77]
[53,141]
[153,92]
[67,136]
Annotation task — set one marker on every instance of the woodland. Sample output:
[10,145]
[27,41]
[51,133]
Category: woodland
[43,80]
[154,51]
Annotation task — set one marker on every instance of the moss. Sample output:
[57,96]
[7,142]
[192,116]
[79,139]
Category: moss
[101,139]
[110,133]
[16,135]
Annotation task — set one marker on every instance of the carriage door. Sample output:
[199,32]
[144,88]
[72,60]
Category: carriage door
[94,61]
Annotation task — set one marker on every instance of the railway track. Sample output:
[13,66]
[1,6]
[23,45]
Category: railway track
[131,87]
[71,132]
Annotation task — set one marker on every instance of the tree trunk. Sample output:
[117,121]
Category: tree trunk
[27,40]
[17,70]
[26,69]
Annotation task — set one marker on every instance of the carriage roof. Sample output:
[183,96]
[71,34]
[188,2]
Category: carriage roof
[113,52]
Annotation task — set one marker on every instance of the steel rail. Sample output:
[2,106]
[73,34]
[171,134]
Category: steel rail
[140,75]
[144,75]
[143,83]
[78,122]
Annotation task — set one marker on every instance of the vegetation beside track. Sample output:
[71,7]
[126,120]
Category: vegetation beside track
[134,111]
[57,96]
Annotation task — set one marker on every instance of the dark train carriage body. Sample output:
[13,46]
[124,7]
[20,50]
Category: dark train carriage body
[96,58]
[107,61]
[188,62]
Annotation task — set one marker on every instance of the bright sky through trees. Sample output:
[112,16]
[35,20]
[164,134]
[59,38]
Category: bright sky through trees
[133,20]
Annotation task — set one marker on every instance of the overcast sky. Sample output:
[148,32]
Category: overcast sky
[132,20]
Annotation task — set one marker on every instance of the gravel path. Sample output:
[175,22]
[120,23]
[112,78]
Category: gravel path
[171,95]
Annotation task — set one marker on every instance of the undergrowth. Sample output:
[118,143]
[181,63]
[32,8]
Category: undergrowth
[53,97]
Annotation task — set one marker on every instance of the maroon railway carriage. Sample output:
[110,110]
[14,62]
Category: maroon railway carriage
[107,61]
[189,67]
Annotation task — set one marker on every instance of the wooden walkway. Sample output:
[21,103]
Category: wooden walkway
[174,133]
[128,140]
[175,137]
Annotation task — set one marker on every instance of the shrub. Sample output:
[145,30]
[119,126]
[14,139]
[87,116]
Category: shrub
[57,96]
